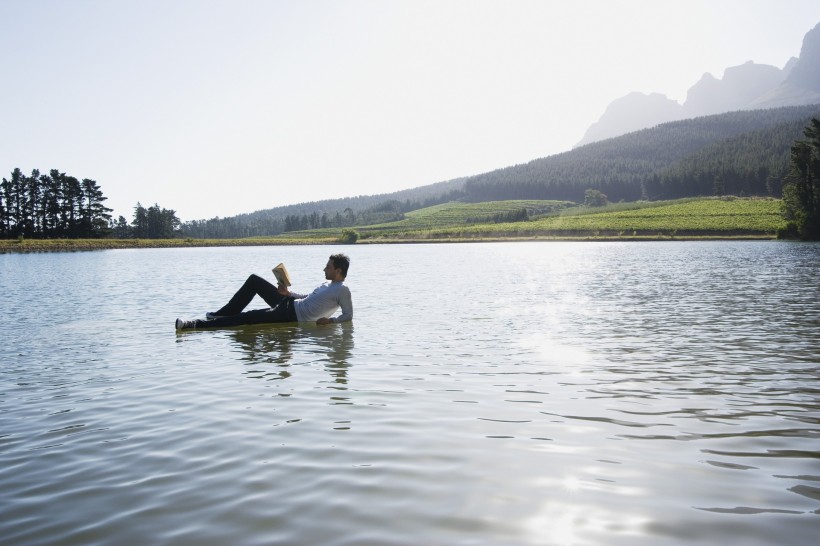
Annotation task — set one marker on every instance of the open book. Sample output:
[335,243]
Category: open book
[281,274]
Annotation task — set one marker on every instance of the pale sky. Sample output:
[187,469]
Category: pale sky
[220,107]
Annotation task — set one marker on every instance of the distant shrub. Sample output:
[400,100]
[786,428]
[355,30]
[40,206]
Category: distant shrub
[594,198]
[349,236]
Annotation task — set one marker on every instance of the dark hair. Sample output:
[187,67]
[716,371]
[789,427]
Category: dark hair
[340,261]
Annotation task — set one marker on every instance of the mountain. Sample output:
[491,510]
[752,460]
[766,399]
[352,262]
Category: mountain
[666,150]
[806,72]
[739,87]
[748,86]
[630,113]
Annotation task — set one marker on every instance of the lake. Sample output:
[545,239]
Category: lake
[487,393]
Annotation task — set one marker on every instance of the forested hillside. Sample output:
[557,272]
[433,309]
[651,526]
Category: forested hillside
[677,159]
[739,153]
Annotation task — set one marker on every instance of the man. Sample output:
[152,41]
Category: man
[285,306]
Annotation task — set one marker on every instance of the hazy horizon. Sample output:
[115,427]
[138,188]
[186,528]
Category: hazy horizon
[216,108]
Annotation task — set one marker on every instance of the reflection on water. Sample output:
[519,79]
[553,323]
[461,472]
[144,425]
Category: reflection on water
[657,393]
[269,349]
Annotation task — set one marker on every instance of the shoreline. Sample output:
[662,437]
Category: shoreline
[13,246]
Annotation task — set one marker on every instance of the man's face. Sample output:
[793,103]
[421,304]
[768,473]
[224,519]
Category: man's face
[330,271]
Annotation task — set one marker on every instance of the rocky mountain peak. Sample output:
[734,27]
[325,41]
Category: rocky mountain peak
[744,87]
[806,71]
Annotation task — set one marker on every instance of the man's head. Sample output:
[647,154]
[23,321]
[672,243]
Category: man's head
[336,268]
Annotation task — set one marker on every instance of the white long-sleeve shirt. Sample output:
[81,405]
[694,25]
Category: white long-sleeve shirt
[323,302]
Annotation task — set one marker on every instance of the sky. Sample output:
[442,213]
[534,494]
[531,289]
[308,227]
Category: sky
[222,107]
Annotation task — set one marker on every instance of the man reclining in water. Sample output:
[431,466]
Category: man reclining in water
[285,306]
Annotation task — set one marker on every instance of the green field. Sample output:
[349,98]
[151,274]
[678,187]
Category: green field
[457,214]
[693,217]
[712,217]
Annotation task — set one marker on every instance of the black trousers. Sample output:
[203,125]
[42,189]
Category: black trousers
[233,313]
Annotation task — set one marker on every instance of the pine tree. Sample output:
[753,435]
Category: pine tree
[801,194]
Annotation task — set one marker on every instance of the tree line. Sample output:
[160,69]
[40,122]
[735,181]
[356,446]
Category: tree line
[149,223]
[56,205]
[52,204]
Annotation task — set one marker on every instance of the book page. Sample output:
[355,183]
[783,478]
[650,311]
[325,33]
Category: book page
[281,274]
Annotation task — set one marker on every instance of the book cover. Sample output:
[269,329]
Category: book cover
[281,274]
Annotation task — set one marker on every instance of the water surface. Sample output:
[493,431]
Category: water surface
[515,393]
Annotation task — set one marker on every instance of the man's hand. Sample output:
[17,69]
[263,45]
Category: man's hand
[322,321]
[283,290]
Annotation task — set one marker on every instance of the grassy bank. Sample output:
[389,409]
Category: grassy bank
[71,245]
[713,218]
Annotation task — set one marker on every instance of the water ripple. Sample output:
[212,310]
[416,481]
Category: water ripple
[610,394]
